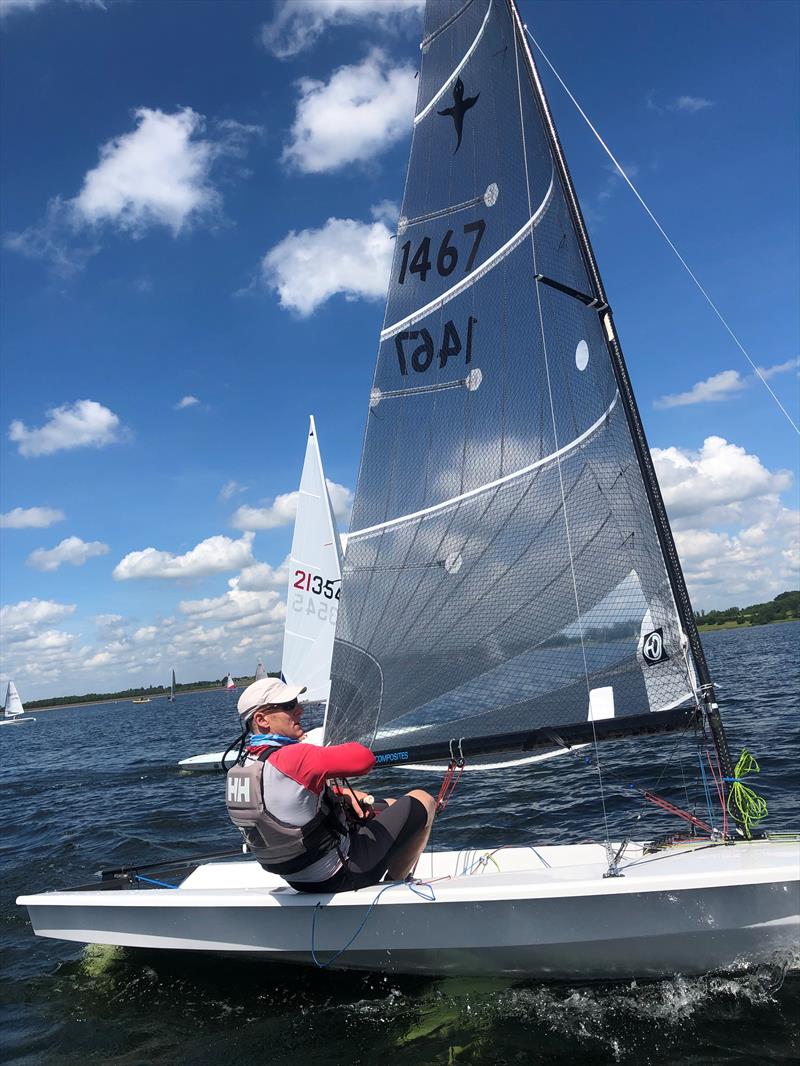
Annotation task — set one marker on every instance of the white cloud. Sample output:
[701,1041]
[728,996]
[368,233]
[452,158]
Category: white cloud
[159,173]
[71,550]
[718,387]
[31,518]
[229,490]
[261,577]
[8,7]
[779,368]
[690,104]
[18,621]
[212,556]
[84,424]
[723,386]
[344,256]
[282,510]
[187,401]
[297,24]
[360,112]
[720,473]
[737,542]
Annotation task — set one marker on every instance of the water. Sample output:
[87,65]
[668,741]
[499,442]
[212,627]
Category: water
[97,786]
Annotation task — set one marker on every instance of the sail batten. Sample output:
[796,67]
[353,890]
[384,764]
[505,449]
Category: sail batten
[505,577]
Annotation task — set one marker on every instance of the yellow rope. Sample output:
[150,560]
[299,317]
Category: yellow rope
[744,805]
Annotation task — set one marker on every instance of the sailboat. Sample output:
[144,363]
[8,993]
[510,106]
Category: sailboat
[510,584]
[13,711]
[312,598]
[171,696]
[260,671]
[230,684]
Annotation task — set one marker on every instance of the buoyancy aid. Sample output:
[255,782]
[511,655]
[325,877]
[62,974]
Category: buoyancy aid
[280,848]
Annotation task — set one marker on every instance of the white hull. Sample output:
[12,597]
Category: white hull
[546,913]
[16,721]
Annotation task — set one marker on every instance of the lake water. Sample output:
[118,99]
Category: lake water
[97,786]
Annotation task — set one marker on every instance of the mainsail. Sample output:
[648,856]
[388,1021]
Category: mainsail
[13,704]
[314,582]
[509,577]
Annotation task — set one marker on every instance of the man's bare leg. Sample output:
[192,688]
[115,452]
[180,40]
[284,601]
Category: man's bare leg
[405,859]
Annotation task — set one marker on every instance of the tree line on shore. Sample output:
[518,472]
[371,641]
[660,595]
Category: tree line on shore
[784,608]
[130,693]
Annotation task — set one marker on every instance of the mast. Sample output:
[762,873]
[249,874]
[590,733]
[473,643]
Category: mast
[642,450]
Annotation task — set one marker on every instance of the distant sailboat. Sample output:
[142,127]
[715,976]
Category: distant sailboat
[230,684]
[260,671]
[171,696]
[13,711]
[312,598]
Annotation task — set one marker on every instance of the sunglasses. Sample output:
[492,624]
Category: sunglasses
[282,706]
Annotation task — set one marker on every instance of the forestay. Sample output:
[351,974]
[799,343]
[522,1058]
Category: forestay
[503,571]
[314,582]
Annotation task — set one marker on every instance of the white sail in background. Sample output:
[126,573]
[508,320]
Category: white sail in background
[314,582]
[13,705]
[171,696]
[260,671]
[230,684]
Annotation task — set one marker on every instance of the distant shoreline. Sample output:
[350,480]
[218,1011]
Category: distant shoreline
[121,699]
[715,626]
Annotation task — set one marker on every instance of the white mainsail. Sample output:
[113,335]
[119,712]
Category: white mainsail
[315,574]
[230,684]
[13,705]
[260,671]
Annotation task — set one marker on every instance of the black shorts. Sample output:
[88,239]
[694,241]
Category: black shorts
[372,846]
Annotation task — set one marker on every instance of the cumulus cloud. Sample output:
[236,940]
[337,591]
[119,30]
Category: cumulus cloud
[158,174]
[71,550]
[9,7]
[187,401]
[737,541]
[779,368]
[297,24]
[31,518]
[720,473]
[282,510]
[83,424]
[18,621]
[344,256]
[361,111]
[212,556]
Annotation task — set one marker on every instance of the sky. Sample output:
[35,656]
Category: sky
[196,214]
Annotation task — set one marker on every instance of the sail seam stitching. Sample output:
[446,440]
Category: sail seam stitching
[492,484]
[478,273]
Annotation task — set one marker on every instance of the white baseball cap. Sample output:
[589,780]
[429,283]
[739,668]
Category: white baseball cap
[269,690]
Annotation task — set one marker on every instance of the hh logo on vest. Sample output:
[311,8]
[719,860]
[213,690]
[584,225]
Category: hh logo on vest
[238,790]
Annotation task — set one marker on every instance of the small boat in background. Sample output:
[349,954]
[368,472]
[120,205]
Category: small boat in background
[13,711]
[140,699]
[230,684]
[171,696]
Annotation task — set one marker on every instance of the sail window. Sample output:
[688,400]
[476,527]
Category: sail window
[582,355]
[473,379]
[601,703]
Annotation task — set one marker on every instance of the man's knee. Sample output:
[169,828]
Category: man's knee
[427,801]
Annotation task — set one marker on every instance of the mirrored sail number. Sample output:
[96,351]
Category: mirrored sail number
[421,353]
[316,584]
[419,262]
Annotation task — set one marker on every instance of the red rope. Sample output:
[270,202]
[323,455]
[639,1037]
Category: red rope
[667,806]
[449,782]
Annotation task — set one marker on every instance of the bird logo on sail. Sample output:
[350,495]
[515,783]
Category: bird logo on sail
[460,107]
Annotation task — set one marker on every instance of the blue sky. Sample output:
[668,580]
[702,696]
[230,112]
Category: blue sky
[197,206]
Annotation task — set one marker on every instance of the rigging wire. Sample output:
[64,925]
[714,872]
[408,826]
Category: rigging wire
[558,457]
[664,234]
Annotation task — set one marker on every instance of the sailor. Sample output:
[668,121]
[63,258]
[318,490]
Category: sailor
[317,838]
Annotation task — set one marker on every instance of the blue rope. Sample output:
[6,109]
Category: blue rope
[415,888]
[152,881]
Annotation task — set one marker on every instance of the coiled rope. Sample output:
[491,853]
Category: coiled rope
[744,805]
